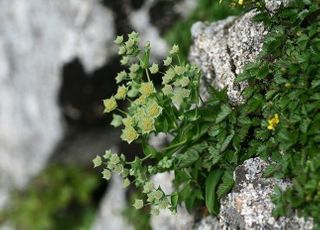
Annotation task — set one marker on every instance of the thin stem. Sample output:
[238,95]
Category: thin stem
[123,112]
[148,75]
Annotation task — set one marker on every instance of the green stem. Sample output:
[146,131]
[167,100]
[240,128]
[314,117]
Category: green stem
[123,112]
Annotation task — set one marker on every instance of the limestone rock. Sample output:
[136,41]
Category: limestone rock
[109,214]
[249,205]
[222,48]
[36,38]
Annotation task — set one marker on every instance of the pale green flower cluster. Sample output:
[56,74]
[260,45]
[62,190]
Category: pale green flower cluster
[112,162]
[152,109]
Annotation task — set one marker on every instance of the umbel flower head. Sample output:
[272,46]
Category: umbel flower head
[153,109]
[121,93]
[110,104]
[146,124]
[129,134]
[146,88]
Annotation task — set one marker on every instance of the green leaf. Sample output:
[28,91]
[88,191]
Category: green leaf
[214,155]
[185,159]
[211,198]
[226,184]
[226,142]
[174,201]
[225,111]
[271,170]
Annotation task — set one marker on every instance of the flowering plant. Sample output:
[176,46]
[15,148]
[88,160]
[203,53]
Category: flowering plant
[152,109]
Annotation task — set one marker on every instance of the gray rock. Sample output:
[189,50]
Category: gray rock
[249,206]
[222,48]
[114,202]
[36,39]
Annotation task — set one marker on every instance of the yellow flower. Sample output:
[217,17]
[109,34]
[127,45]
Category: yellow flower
[110,104]
[273,122]
[240,2]
[141,100]
[128,121]
[146,124]
[129,134]
[121,93]
[153,109]
[146,88]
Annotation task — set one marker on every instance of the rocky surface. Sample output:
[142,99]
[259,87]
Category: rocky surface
[222,48]
[36,39]
[249,206]
[114,202]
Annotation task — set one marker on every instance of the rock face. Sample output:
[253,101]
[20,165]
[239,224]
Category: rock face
[36,38]
[222,48]
[249,206]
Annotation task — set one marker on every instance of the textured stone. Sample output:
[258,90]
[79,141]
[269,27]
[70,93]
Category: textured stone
[249,206]
[222,48]
[114,202]
[36,38]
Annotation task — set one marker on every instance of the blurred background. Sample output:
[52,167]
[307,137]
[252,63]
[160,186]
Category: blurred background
[57,62]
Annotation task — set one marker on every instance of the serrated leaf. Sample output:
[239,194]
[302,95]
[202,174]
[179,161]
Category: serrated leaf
[226,185]
[225,111]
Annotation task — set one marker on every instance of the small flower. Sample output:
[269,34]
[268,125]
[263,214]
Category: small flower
[110,104]
[148,187]
[240,2]
[167,61]
[154,68]
[134,68]
[168,76]
[97,161]
[146,124]
[128,121]
[154,211]
[115,159]
[107,154]
[106,174]
[118,168]
[130,43]
[141,100]
[121,93]
[116,120]
[167,90]
[158,194]
[174,50]
[179,70]
[124,60]
[129,134]
[118,40]
[184,81]
[153,109]
[126,182]
[121,76]
[146,88]
[134,35]
[164,203]
[273,122]
[122,50]
[138,204]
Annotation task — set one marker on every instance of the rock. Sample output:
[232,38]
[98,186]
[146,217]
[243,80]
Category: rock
[36,39]
[249,206]
[222,48]
[114,202]
[166,220]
